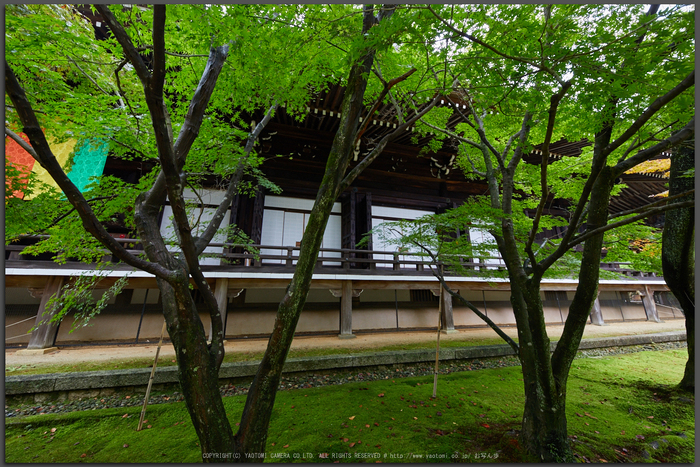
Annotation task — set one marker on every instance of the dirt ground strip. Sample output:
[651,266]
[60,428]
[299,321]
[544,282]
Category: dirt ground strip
[363,342]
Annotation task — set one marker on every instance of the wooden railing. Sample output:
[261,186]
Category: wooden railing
[360,261]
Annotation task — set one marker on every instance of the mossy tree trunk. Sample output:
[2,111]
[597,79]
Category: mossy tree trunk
[252,435]
[678,250]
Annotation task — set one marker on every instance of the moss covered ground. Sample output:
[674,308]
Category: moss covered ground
[623,408]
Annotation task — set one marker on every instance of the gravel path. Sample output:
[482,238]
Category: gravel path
[365,341]
[309,381]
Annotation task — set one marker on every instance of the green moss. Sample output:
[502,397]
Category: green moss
[476,417]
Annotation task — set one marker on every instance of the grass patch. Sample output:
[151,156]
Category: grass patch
[618,407]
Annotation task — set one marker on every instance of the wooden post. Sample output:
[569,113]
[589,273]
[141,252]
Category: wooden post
[150,380]
[448,323]
[346,311]
[44,335]
[650,305]
[437,347]
[221,294]
[596,313]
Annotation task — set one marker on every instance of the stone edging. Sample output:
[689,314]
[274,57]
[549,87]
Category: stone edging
[57,382]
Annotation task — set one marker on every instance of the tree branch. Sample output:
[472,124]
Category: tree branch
[440,277]
[198,104]
[654,107]
[121,92]
[650,212]
[650,205]
[22,143]
[369,158]
[43,154]
[553,105]
[215,222]
[125,41]
[686,132]
[387,87]
[529,61]
[87,76]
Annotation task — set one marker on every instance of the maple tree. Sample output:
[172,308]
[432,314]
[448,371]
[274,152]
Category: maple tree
[147,90]
[615,75]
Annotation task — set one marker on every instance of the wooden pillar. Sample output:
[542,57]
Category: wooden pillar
[44,335]
[221,294]
[346,311]
[596,313]
[448,323]
[650,305]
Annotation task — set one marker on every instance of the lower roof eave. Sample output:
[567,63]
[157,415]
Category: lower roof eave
[360,280]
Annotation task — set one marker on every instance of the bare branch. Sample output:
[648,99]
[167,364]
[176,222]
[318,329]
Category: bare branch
[199,102]
[131,148]
[636,143]
[122,93]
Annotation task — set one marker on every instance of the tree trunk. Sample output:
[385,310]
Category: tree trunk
[197,370]
[544,429]
[544,432]
[252,435]
[678,252]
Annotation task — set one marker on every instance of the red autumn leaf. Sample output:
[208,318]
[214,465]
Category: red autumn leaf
[376,424]
[366,426]
[292,407]
[126,446]
[380,395]
[345,440]
[378,446]
[286,446]
[485,425]
[650,416]
[578,414]
[149,426]
[352,445]
[273,444]
[125,415]
[83,455]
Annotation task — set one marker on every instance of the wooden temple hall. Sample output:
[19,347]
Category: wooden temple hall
[354,290]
